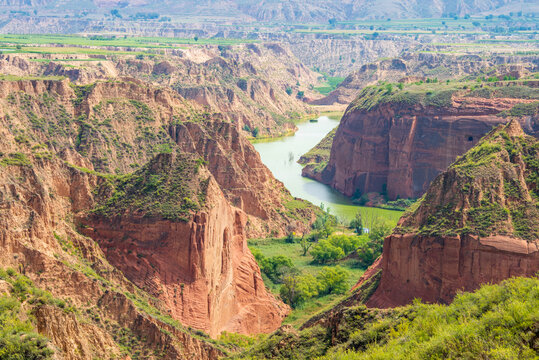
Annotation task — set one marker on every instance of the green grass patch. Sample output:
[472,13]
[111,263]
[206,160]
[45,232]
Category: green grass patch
[331,83]
[279,247]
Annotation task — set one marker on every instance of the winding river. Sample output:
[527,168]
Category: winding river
[281,155]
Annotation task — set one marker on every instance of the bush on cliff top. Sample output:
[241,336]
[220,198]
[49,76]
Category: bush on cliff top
[435,95]
[495,322]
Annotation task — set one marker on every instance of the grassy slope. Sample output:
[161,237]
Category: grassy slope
[331,84]
[495,322]
[320,152]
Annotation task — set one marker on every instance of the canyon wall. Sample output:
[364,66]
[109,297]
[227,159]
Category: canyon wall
[101,307]
[201,268]
[399,147]
[433,269]
[246,84]
[478,223]
[70,158]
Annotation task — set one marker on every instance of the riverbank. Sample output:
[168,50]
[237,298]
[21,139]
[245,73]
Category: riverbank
[329,111]
[281,156]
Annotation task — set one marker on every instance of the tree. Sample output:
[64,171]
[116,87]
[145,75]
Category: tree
[289,90]
[332,280]
[297,289]
[115,13]
[324,222]
[357,223]
[276,267]
[369,251]
[325,252]
[300,94]
[290,237]
[290,292]
[242,84]
[306,242]
[332,22]
[344,242]
[255,132]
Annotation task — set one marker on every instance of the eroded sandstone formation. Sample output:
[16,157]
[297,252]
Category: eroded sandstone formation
[417,66]
[398,148]
[245,83]
[138,273]
[478,223]
[201,268]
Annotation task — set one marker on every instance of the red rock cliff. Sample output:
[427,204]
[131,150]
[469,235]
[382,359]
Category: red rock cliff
[57,143]
[478,223]
[200,268]
[401,148]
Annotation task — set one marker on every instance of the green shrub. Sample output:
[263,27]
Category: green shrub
[325,252]
[369,251]
[495,322]
[334,248]
[332,280]
[16,159]
[275,267]
[298,289]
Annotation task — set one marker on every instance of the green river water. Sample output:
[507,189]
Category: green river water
[281,155]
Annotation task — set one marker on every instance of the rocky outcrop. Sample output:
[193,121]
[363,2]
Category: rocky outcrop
[478,223]
[246,181]
[397,147]
[435,268]
[38,200]
[111,119]
[200,268]
[74,340]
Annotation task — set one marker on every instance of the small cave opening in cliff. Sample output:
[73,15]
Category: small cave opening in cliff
[470,138]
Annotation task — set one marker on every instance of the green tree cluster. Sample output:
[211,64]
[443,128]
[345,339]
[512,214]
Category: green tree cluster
[334,248]
[276,267]
[298,289]
[370,250]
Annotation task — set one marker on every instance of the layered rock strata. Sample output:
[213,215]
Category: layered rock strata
[397,147]
[478,223]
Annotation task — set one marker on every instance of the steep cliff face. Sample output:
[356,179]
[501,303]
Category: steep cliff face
[200,267]
[133,252]
[396,142]
[478,223]
[246,181]
[39,196]
[118,126]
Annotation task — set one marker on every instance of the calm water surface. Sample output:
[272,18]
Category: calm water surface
[281,156]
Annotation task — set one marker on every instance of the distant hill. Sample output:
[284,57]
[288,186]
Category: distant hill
[289,11]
